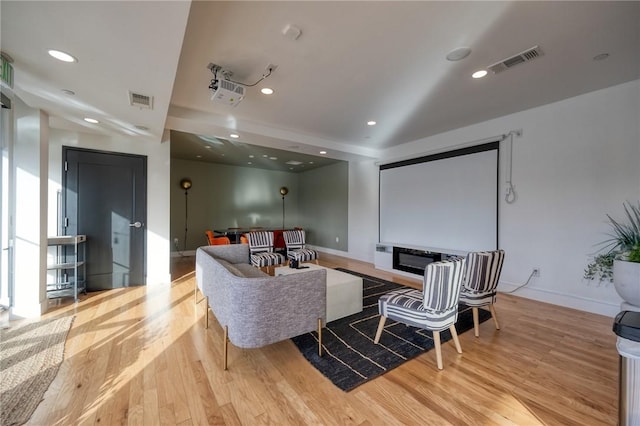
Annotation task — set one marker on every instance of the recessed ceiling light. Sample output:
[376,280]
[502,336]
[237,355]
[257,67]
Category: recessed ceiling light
[251,156]
[310,162]
[62,56]
[601,57]
[91,120]
[207,147]
[234,135]
[273,158]
[371,123]
[458,53]
[249,162]
[323,152]
[198,156]
[264,156]
[68,92]
[266,91]
[479,74]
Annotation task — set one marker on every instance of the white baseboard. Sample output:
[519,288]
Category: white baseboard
[330,251]
[600,307]
[186,253]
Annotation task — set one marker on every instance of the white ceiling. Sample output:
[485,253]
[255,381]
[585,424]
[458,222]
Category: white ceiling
[354,62]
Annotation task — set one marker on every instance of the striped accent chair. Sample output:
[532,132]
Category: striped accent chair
[295,243]
[261,250]
[479,287]
[434,308]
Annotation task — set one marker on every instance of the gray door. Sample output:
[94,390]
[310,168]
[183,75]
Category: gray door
[104,198]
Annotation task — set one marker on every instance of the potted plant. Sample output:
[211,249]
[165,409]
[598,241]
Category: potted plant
[621,262]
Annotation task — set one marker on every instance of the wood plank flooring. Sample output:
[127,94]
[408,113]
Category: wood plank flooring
[142,356]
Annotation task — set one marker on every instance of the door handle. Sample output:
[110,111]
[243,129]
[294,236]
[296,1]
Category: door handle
[135,225]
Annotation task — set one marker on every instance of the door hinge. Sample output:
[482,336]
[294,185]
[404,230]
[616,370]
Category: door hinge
[66,222]
[66,166]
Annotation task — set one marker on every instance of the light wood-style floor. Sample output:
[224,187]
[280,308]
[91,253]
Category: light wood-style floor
[142,356]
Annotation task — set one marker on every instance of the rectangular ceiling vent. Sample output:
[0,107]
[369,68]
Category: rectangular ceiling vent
[139,100]
[514,60]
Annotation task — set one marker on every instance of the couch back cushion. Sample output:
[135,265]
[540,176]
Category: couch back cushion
[229,267]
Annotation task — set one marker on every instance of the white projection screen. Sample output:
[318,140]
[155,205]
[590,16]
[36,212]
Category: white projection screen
[445,202]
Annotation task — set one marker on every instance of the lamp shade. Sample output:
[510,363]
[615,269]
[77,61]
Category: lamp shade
[185,183]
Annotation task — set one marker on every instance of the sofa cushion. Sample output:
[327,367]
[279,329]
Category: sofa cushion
[250,271]
[231,268]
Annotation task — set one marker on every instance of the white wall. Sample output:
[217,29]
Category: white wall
[363,210]
[158,166]
[576,161]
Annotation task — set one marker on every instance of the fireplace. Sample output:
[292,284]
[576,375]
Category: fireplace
[414,261]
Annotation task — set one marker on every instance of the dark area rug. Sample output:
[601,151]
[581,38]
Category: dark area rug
[350,358]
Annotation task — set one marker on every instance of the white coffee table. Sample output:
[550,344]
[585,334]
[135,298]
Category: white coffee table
[344,291]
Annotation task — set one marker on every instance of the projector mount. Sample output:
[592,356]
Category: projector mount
[226,74]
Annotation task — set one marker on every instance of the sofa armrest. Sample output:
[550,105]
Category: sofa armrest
[232,253]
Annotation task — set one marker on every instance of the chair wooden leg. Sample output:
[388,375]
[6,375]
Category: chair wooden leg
[319,336]
[454,334]
[226,346]
[436,340]
[476,322]
[494,316]
[206,312]
[380,328]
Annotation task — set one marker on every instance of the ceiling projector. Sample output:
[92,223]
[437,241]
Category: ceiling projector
[227,92]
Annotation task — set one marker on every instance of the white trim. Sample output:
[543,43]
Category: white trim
[186,253]
[562,299]
[329,251]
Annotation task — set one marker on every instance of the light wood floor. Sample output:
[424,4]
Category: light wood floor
[142,356]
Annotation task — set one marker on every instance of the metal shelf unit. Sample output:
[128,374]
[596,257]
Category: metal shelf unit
[70,255]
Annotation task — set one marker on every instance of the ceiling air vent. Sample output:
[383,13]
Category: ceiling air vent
[139,100]
[514,60]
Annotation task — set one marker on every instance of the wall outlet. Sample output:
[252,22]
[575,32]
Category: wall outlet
[536,272]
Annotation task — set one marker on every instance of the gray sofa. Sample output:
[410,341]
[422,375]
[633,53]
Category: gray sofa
[254,308]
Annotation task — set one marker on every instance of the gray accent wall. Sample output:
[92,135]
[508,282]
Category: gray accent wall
[224,196]
[324,201]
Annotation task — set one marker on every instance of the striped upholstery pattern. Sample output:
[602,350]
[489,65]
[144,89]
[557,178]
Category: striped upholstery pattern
[436,307]
[261,249]
[295,243]
[481,278]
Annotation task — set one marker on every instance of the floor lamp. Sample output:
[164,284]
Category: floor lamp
[186,185]
[283,191]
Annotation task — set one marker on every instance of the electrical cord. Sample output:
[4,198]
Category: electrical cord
[510,196]
[523,285]
[251,85]
[214,81]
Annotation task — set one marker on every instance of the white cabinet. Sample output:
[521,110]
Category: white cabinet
[67,266]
